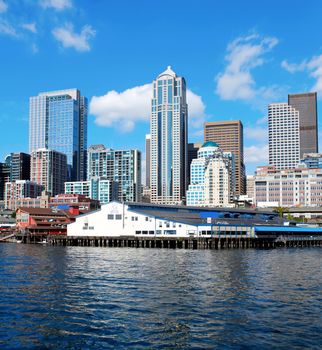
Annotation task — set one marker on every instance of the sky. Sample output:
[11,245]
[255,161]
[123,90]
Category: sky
[236,56]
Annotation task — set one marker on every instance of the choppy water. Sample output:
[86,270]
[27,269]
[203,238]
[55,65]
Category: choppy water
[106,298]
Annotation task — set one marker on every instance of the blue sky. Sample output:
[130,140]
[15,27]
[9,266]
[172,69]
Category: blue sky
[236,56]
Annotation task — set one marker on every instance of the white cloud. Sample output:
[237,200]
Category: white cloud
[3,6]
[262,120]
[196,109]
[68,38]
[56,4]
[124,109]
[257,133]
[256,154]
[7,29]
[293,67]
[30,26]
[313,66]
[243,55]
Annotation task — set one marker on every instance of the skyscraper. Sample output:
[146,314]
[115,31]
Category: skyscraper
[58,121]
[169,113]
[19,166]
[49,168]
[229,136]
[4,177]
[147,159]
[305,104]
[283,136]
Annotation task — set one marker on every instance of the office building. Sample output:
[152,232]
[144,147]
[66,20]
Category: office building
[212,177]
[306,105]
[250,186]
[19,164]
[229,136]
[4,177]
[60,201]
[58,121]
[283,136]
[49,168]
[288,188]
[18,189]
[98,189]
[192,154]
[312,160]
[121,166]
[169,146]
[147,160]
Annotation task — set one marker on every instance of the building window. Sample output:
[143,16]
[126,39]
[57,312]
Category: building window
[118,217]
[110,216]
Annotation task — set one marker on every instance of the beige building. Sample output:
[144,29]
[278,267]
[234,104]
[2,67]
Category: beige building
[212,177]
[229,136]
[49,168]
[18,189]
[300,187]
[250,186]
[217,183]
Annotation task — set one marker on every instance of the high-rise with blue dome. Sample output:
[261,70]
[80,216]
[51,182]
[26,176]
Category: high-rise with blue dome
[212,177]
[169,113]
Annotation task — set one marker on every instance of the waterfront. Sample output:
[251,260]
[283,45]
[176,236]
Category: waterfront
[86,297]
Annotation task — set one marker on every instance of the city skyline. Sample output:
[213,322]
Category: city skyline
[224,83]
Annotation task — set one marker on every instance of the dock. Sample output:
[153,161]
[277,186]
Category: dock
[222,242]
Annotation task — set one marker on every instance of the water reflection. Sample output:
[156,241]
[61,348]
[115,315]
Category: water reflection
[78,297]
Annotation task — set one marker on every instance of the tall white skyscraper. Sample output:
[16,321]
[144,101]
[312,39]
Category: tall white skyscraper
[58,121]
[147,159]
[169,114]
[283,136]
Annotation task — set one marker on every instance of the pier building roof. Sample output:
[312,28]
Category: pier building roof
[200,215]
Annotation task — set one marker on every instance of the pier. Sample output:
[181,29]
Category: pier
[223,242]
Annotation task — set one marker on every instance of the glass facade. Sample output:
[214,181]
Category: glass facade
[58,121]
[120,166]
[169,112]
[312,160]
[98,189]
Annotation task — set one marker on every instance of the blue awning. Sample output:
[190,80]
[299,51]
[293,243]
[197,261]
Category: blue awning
[286,229]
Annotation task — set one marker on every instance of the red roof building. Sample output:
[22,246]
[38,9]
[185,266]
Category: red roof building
[44,221]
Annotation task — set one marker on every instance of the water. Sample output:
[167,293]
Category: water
[106,298]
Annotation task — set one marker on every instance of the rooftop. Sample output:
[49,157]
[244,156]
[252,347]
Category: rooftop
[210,144]
[168,71]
